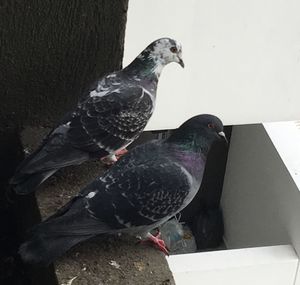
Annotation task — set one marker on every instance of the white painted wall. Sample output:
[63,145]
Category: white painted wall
[261,201]
[242,58]
[286,139]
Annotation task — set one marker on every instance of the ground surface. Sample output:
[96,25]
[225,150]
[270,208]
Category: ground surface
[103,260]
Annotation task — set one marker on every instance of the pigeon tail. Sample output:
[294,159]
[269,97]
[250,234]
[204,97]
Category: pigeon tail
[44,249]
[27,183]
[58,233]
[41,164]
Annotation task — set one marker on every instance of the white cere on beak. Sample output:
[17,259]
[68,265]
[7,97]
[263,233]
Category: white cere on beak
[222,134]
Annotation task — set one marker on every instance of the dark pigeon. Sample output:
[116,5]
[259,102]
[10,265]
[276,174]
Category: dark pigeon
[110,116]
[208,228]
[148,186]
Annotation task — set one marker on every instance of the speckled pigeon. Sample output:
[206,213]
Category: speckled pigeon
[111,115]
[149,185]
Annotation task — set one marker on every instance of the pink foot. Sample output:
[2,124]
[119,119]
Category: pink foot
[109,160]
[120,153]
[158,242]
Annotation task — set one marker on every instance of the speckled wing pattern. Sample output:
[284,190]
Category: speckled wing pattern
[140,195]
[110,120]
[111,115]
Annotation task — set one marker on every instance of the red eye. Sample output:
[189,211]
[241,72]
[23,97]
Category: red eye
[211,126]
[173,49]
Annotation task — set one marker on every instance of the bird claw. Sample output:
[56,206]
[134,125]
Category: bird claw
[111,159]
[160,244]
[157,242]
[120,153]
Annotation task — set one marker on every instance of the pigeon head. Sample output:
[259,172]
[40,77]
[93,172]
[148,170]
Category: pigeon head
[155,57]
[199,133]
[164,51]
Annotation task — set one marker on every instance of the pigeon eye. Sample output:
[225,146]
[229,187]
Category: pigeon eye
[211,126]
[173,49]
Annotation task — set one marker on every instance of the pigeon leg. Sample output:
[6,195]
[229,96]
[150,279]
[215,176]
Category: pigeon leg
[120,153]
[113,158]
[109,159]
[158,242]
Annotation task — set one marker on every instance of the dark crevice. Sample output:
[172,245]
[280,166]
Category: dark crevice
[17,214]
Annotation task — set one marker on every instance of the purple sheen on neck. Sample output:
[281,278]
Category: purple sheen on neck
[192,161]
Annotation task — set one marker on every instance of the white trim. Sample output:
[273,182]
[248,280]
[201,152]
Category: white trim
[272,265]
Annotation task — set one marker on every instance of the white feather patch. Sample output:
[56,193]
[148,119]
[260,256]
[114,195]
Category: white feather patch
[90,195]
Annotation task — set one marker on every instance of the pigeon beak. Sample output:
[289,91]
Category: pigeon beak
[181,62]
[222,134]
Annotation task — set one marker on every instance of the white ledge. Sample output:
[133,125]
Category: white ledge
[274,265]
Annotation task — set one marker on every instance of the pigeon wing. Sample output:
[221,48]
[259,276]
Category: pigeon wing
[140,196]
[111,121]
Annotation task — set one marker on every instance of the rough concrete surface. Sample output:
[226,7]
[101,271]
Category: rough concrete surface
[102,260]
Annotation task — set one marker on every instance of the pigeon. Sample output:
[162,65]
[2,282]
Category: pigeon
[109,116]
[148,186]
[208,228]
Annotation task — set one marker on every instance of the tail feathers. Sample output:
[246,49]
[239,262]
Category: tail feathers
[53,237]
[41,164]
[43,250]
[29,182]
